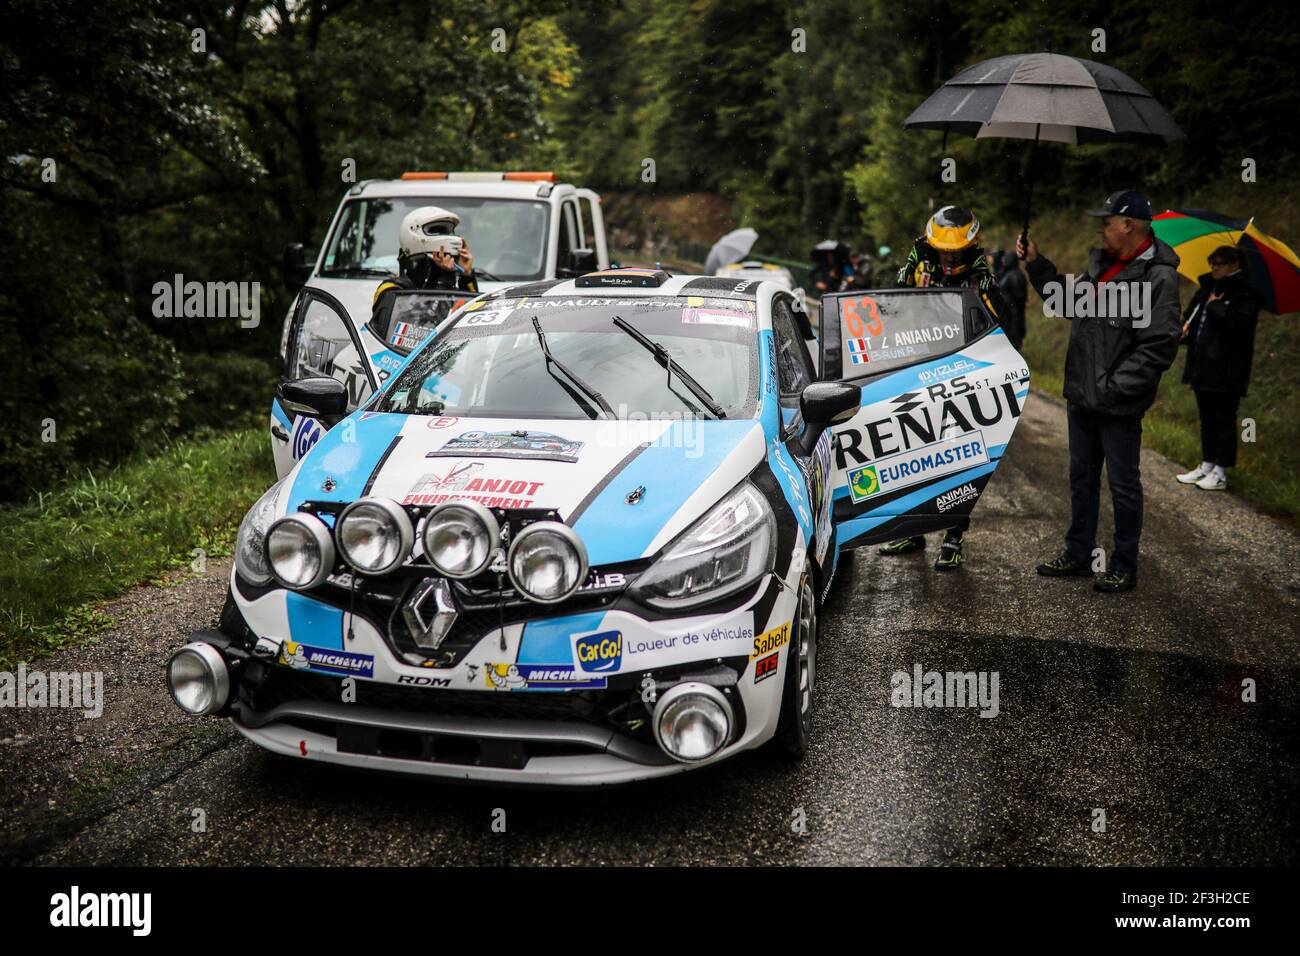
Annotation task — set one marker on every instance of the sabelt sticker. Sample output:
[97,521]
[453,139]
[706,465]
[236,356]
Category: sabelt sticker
[920,464]
[326,660]
[772,640]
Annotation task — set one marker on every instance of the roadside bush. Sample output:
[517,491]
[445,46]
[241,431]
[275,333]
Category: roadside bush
[83,383]
[225,391]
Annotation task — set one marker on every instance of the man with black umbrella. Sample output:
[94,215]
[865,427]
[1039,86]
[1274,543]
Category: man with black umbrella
[1112,367]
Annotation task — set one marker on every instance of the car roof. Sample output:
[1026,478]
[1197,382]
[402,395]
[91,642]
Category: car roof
[674,285]
[433,188]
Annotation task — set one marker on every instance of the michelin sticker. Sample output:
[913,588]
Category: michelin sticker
[325,660]
[539,677]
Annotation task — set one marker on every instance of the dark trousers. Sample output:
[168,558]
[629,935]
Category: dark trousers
[1218,427]
[1116,442]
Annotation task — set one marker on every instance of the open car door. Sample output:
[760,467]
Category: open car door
[942,391]
[321,342]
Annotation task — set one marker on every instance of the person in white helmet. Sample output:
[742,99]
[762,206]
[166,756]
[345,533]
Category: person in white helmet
[430,256]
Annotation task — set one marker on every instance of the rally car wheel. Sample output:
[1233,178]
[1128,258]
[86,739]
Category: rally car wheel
[794,728]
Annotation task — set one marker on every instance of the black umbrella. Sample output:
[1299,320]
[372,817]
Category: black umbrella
[1045,96]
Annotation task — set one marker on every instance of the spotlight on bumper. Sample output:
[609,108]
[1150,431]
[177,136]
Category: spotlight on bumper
[198,679]
[693,721]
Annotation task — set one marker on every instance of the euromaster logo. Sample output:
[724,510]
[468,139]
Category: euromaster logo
[863,483]
[599,652]
[770,641]
[918,465]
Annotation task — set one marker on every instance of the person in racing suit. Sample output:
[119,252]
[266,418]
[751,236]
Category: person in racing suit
[430,256]
[949,255]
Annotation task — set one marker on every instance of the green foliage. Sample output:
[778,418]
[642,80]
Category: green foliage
[99,533]
[226,391]
[85,380]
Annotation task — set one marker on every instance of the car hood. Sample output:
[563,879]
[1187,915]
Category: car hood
[358,295]
[626,487]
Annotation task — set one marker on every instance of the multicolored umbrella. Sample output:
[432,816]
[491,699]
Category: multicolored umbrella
[1272,267]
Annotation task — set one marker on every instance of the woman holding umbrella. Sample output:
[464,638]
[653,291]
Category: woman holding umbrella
[1219,332]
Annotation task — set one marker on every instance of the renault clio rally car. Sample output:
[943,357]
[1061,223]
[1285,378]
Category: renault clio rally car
[583,535]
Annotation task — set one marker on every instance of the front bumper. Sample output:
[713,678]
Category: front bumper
[453,726]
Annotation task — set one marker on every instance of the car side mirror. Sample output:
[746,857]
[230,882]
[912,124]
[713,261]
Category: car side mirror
[824,404]
[317,397]
[581,261]
[829,403]
[295,267]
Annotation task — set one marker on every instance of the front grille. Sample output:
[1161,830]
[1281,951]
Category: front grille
[620,710]
[481,608]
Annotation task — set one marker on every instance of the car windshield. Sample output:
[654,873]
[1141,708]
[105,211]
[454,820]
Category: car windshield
[506,236]
[490,363]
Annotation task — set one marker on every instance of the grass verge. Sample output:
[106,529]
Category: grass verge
[95,537]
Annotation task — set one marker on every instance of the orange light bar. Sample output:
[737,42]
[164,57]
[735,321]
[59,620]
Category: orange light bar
[530,177]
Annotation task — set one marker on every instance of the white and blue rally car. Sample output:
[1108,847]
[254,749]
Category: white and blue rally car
[582,535]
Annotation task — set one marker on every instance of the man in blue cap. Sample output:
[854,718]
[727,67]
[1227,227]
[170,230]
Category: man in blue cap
[1124,318]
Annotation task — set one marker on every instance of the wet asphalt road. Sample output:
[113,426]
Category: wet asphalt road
[1129,704]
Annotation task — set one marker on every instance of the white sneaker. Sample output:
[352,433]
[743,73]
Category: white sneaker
[1191,477]
[1213,482]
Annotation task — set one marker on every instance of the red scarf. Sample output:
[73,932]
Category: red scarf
[1119,264]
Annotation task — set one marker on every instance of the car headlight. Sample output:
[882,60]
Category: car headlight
[375,535]
[300,550]
[250,543]
[728,549]
[198,679]
[693,721]
[547,562]
[459,538]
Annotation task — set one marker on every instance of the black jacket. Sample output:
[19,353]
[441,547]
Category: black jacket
[1015,293]
[425,276]
[1112,365]
[978,277]
[1221,335]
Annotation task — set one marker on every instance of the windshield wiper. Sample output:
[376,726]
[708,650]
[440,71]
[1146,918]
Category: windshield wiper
[663,358]
[586,389]
[484,274]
